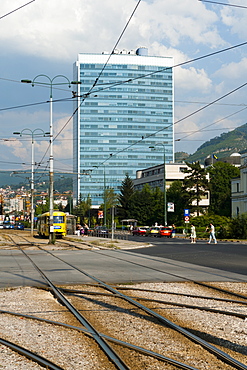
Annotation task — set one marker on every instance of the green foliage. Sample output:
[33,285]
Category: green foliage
[220,187]
[42,208]
[82,208]
[124,197]
[147,206]
[63,184]
[238,227]
[205,220]
[195,184]
[180,198]
[111,200]
[224,145]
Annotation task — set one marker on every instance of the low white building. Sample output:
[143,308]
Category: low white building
[154,177]
[239,188]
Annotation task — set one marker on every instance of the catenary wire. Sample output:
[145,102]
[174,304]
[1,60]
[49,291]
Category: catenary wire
[218,3]
[12,11]
[173,124]
[149,74]
[115,46]
[211,124]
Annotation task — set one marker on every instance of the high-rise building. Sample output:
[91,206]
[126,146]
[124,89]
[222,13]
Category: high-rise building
[125,109]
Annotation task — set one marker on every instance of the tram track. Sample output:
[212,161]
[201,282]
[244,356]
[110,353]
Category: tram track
[146,318]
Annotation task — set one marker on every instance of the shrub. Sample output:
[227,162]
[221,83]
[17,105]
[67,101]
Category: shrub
[238,227]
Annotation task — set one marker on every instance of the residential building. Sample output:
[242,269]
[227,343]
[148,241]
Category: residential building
[125,106]
[239,188]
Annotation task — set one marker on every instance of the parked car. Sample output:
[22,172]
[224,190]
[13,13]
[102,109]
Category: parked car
[101,231]
[165,231]
[140,230]
[19,226]
[8,225]
[153,231]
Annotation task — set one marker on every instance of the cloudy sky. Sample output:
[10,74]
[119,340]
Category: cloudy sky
[45,37]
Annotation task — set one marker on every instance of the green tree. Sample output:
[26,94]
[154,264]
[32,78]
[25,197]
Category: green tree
[238,227]
[220,174]
[176,194]
[195,184]
[83,207]
[111,199]
[147,206]
[43,207]
[124,197]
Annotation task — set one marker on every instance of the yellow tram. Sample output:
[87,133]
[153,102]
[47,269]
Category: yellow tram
[59,224]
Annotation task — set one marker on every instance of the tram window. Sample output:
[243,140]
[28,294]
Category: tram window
[58,219]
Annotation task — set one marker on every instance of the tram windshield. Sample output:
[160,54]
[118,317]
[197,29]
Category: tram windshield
[58,219]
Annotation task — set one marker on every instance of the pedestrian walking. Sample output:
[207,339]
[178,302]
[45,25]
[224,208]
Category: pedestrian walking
[193,234]
[173,231]
[86,228]
[212,234]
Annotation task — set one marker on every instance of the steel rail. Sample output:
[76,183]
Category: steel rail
[220,354]
[167,273]
[31,355]
[107,337]
[185,305]
[111,354]
[220,290]
[192,281]
[182,294]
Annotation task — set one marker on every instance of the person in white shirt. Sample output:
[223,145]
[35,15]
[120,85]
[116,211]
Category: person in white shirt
[212,234]
[193,234]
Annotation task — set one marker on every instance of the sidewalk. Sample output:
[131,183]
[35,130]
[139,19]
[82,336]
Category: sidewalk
[108,243]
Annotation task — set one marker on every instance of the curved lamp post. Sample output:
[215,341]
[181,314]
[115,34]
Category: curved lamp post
[32,133]
[164,181]
[51,82]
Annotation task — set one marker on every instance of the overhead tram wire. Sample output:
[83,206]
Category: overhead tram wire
[86,95]
[115,46]
[94,84]
[103,68]
[20,7]
[173,124]
[218,3]
[211,124]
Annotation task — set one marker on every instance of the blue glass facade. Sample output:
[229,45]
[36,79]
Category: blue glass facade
[129,109]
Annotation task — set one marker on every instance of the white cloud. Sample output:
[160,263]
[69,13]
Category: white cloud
[235,19]
[59,29]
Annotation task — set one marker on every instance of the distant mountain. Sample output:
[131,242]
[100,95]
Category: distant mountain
[15,180]
[222,146]
[8,178]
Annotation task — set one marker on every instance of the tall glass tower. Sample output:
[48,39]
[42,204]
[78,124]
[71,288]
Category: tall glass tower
[124,107]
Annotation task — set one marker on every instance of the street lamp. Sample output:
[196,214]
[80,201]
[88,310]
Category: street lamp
[32,133]
[164,181]
[51,83]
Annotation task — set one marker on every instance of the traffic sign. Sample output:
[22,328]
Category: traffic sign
[186,218]
[186,212]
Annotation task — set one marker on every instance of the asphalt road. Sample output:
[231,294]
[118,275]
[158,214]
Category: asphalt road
[166,260]
[227,256]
